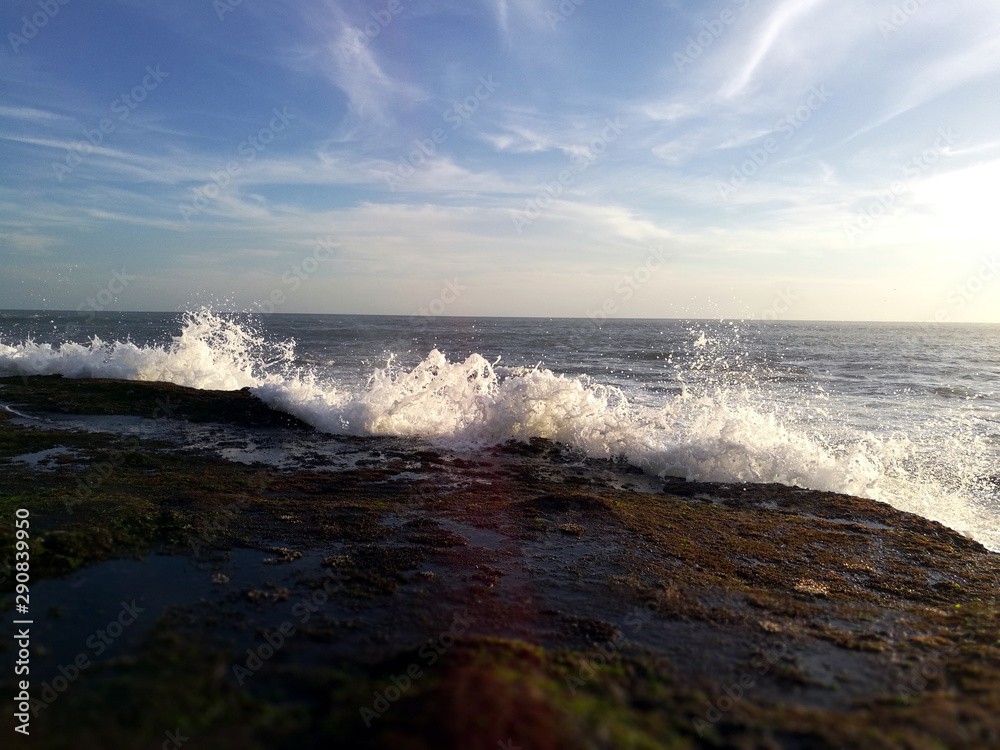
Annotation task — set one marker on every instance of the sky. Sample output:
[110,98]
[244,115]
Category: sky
[778,159]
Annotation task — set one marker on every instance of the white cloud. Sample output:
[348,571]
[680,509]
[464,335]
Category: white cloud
[34,115]
[34,245]
[347,56]
[779,25]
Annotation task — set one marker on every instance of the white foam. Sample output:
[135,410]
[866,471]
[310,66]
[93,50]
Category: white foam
[211,352]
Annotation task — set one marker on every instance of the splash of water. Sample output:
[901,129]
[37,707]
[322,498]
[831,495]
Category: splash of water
[211,352]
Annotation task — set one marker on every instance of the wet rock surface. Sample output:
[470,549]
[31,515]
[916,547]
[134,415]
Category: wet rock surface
[519,597]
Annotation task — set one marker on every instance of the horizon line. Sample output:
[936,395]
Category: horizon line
[91,313]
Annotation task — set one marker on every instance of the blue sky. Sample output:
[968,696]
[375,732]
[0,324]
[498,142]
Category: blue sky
[792,159]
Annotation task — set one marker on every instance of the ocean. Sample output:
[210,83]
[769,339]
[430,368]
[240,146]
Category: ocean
[908,414]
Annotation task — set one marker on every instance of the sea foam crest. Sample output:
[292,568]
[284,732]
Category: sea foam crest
[211,352]
[464,403]
[717,436]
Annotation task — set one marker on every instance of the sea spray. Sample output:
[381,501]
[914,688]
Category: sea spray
[211,352]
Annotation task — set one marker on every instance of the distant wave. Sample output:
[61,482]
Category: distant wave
[712,433]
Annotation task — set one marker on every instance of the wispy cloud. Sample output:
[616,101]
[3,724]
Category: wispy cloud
[503,16]
[34,115]
[345,53]
[777,28]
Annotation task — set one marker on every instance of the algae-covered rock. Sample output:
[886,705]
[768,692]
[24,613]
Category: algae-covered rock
[411,598]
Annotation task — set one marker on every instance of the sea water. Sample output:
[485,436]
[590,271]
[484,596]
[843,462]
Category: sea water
[908,414]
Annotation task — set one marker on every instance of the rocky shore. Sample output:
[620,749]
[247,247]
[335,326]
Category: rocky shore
[209,573]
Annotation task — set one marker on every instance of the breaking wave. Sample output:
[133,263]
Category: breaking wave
[211,352]
[713,431]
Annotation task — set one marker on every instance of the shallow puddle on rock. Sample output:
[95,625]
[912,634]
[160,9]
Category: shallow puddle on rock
[105,610]
[42,459]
